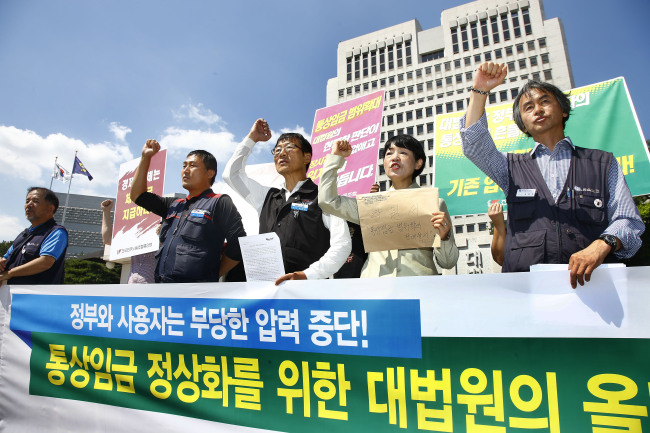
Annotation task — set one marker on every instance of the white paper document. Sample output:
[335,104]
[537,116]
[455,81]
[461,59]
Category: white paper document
[262,257]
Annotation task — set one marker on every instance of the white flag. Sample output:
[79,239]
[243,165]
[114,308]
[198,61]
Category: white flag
[60,173]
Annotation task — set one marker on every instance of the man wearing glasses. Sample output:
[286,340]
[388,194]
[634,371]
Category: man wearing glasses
[314,244]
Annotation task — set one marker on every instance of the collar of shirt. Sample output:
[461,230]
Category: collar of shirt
[296,188]
[413,185]
[562,145]
[194,197]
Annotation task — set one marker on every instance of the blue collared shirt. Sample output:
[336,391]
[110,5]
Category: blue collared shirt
[624,220]
[53,245]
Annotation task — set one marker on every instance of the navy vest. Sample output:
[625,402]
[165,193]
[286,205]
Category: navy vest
[542,231]
[191,242]
[303,236]
[27,247]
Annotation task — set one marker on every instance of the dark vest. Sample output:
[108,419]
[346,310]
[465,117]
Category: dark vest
[303,236]
[191,242]
[541,231]
[27,247]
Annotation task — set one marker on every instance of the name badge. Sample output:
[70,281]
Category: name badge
[526,192]
[299,206]
[198,213]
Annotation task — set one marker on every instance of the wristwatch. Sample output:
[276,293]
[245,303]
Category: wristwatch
[610,240]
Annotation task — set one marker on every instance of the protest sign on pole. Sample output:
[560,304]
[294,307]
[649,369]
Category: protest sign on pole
[134,228]
[358,121]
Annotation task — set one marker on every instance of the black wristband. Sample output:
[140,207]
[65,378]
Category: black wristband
[472,89]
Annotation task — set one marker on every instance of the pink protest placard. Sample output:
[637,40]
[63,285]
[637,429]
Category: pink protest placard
[358,121]
[134,228]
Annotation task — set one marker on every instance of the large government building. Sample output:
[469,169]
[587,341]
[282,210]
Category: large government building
[426,72]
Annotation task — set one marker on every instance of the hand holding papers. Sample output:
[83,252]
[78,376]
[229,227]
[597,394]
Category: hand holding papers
[398,219]
[262,257]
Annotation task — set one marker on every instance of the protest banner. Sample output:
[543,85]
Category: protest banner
[358,121]
[602,117]
[134,228]
[498,352]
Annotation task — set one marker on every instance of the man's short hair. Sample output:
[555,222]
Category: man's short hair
[48,195]
[562,99]
[209,161]
[410,143]
[305,145]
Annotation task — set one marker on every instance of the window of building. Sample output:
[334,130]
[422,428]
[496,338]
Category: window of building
[488,56]
[381,169]
[341,93]
[373,62]
[400,131]
[365,65]
[449,107]
[409,75]
[391,58]
[439,82]
[459,78]
[439,54]
[409,115]
[391,134]
[349,68]
[484,33]
[400,91]
[389,119]
[429,85]
[482,227]
[430,127]
[447,66]
[382,62]
[357,72]
[418,73]
[407,52]
[503,95]
[515,24]
[420,87]
[477,58]
[400,117]
[400,77]
[463,37]
[495,29]
[526,17]
[430,161]
[492,98]
[468,61]
[438,68]
[458,229]
[454,40]
[498,53]
[400,60]
[423,179]
[468,76]
[460,105]
[348,90]
[409,130]
[382,82]
[505,27]
[430,142]
[470,228]
[391,94]
[391,79]
[547,74]
[511,66]
[457,63]
[536,76]
[509,50]
[544,58]
[448,80]
[513,93]
[365,86]
[357,88]
[522,63]
[427,70]
[410,89]
[428,111]
[439,109]
[533,61]
[418,113]
[542,42]
[531,45]
[420,129]
[474,32]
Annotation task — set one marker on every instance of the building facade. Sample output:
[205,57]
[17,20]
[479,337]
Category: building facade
[428,72]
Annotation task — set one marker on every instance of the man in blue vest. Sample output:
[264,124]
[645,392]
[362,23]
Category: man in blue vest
[194,228]
[38,253]
[566,204]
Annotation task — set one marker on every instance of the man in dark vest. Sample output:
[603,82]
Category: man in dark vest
[314,244]
[566,204]
[194,228]
[38,253]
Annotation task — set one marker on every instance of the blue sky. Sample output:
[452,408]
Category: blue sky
[101,77]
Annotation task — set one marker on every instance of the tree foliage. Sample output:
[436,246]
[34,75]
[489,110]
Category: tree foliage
[89,272]
[4,247]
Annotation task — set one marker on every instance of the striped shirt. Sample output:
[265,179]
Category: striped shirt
[624,220]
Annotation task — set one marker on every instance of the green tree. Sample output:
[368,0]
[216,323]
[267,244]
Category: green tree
[89,272]
[4,247]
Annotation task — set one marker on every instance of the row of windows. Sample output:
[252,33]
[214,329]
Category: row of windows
[522,63]
[363,65]
[496,27]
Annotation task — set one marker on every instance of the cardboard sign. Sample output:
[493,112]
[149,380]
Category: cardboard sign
[395,220]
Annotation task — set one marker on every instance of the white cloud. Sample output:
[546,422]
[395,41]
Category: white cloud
[10,227]
[197,113]
[119,131]
[181,141]
[28,156]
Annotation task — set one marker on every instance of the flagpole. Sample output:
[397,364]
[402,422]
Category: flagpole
[67,197]
[56,158]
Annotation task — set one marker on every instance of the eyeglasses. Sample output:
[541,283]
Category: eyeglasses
[286,148]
